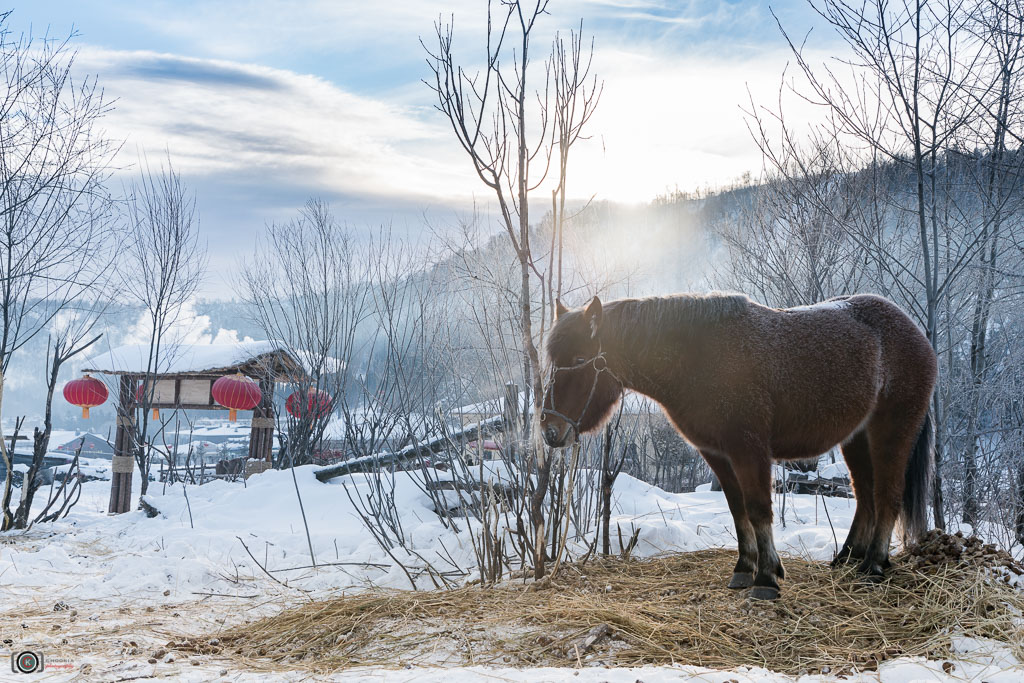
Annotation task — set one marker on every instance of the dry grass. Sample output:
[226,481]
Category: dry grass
[669,610]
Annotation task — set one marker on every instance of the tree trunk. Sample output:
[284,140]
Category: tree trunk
[607,480]
[40,445]
[1020,504]
[537,513]
[938,503]
[5,494]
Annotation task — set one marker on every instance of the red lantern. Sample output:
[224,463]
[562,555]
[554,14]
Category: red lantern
[86,392]
[317,404]
[236,392]
[140,397]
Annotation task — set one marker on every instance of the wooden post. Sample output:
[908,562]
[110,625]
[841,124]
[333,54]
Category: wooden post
[510,413]
[261,436]
[511,409]
[123,461]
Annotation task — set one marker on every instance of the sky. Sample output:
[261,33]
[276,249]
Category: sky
[263,104]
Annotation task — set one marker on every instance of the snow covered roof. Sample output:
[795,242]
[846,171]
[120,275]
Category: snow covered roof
[90,443]
[258,357]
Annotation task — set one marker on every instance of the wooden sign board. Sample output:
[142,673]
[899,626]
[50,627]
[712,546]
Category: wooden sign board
[196,392]
[163,391]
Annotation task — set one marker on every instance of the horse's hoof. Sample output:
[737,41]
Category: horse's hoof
[871,579]
[871,572]
[741,580]
[764,593]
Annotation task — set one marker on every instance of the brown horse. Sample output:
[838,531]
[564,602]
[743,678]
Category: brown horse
[747,385]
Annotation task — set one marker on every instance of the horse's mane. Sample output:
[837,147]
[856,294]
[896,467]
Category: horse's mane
[646,322]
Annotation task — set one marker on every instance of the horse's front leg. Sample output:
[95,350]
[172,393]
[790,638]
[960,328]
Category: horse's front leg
[754,475]
[746,565]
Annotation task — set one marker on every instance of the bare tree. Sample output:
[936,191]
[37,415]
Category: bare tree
[510,130]
[55,210]
[905,97]
[505,140]
[575,99]
[790,243]
[54,205]
[996,182]
[305,289]
[162,265]
[74,334]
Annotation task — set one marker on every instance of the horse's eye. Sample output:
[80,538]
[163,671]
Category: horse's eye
[580,360]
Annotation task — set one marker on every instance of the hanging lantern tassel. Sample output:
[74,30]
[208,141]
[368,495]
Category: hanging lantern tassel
[236,392]
[140,397]
[86,392]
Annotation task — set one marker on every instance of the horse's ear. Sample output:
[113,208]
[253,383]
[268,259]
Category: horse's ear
[560,310]
[593,316]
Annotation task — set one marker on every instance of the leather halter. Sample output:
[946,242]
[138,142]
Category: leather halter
[600,362]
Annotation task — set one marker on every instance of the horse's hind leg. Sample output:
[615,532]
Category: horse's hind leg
[743,573]
[858,461]
[754,475]
[891,437]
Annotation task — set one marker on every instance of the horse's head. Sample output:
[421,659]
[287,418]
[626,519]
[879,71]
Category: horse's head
[581,391]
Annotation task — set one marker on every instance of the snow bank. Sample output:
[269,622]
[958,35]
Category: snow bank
[196,543]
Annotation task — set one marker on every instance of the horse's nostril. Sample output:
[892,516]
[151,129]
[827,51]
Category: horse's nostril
[551,434]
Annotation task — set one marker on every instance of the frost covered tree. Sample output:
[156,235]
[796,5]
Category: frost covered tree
[909,187]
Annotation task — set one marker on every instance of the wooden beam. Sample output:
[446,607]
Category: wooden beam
[184,406]
[432,447]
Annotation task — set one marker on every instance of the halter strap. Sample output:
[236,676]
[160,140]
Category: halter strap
[575,424]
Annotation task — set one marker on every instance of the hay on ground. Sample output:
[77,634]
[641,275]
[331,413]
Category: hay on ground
[668,610]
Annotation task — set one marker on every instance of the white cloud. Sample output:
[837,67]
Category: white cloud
[248,31]
[221,117]
[665,120]
[188,328]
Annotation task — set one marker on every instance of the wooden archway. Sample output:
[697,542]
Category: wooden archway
[185,384]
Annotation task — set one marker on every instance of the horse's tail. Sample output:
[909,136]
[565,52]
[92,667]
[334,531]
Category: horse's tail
[917,482]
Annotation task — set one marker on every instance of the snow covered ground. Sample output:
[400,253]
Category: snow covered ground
[196,544]
[222,551]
